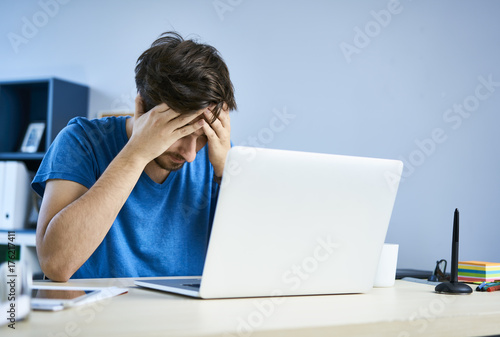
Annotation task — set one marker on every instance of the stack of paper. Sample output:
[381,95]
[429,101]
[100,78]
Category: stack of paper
[478,271]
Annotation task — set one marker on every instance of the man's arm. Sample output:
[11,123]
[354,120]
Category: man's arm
[73,221]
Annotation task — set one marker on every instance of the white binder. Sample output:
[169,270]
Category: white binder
[15,195]
[2,183]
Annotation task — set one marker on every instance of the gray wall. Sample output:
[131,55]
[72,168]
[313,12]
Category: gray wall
[414,80]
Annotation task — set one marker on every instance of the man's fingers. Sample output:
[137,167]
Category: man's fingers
[209,132]
[223,116]
[171,116]
[183,119]
[225,119]
[189,128]
[221,125]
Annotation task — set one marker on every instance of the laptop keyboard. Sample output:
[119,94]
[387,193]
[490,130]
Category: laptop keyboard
[192,285]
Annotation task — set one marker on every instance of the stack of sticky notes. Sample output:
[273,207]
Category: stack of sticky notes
[478,271]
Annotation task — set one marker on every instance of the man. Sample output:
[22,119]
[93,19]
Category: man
[129,197]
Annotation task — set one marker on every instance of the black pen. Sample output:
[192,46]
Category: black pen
[454,252]
[454,287]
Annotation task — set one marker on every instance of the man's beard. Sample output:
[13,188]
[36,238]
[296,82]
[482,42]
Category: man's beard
[166,163]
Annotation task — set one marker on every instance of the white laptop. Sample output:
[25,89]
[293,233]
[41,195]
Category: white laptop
[294,223]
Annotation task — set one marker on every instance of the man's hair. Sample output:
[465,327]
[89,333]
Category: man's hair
[186,75]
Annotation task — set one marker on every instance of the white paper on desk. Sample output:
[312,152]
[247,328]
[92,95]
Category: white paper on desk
[64,296]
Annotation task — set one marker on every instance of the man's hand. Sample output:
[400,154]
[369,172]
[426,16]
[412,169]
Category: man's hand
[158,129]
[218,133]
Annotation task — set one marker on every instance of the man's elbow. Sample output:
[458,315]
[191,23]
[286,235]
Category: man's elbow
[55,272]
[56,275]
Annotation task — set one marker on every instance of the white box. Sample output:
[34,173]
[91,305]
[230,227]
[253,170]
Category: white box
[15,195]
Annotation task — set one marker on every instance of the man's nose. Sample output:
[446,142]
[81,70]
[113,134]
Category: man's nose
[187,148]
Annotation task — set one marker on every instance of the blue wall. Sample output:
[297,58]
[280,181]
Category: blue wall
[414,80]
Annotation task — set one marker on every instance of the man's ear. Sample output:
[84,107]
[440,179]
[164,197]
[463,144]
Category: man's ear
[146,104]
[139,106]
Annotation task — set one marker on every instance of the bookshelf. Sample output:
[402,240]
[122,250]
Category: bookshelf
[51,101]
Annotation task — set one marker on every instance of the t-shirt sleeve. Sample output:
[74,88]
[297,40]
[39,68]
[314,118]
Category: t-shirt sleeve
[70,157]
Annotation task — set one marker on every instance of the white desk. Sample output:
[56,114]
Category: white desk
[407,309]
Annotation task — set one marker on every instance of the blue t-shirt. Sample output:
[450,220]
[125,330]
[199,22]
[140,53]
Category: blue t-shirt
[162,229]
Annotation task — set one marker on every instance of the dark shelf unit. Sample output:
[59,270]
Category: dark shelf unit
[50,100]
